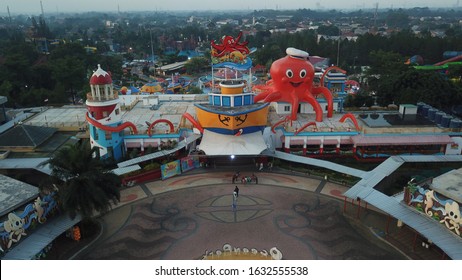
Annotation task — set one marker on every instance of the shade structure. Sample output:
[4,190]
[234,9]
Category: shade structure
[219,144]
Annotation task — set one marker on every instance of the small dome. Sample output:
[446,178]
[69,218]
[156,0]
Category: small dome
[100,77]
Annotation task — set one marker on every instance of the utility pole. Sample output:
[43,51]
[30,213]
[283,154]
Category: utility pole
[43,18]
[9,14]
[338,45]
[152,47]
[43,14]
[375,14]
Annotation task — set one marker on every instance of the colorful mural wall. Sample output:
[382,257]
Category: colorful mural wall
[18,224]
[189,163]
[170,169]
[440,208]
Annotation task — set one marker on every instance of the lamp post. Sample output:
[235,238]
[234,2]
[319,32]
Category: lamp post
[338,46]
[152,47]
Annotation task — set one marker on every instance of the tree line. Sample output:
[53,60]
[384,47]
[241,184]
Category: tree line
[30,77]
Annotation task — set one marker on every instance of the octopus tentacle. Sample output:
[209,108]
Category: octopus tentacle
[328,96]
[303,127]
[279,123]
[294,101]
[219,48]
[352,118]
[273,96]
[262,90]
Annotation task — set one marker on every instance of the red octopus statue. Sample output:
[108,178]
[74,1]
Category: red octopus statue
[292,81]
[229,45]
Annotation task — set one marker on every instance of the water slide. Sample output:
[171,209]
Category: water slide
[193,121]
[172,128]
[452,59]
[111,128]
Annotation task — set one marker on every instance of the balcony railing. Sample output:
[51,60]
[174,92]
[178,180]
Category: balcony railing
[102,97]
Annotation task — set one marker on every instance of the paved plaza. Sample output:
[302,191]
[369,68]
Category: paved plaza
[189,216]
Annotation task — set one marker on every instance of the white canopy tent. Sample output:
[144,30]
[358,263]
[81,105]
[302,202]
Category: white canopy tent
[219,144]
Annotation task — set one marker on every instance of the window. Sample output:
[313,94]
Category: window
[286,108]
[108,135]
[95,133]
[116,111]
[105,114]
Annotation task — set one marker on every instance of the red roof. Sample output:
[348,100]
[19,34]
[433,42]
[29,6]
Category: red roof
[100,77]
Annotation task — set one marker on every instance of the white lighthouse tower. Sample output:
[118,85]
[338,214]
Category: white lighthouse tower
[104,116]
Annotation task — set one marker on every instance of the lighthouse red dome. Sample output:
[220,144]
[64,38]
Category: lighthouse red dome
[100,77]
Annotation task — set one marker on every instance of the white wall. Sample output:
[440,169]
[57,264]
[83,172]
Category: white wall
[305,108]
[454,150]
[128,100]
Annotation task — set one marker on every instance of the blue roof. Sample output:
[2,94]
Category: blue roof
[134,89]
[190,53]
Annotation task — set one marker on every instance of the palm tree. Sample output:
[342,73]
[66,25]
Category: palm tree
[85,185]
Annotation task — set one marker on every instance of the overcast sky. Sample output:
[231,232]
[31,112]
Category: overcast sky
[53,6]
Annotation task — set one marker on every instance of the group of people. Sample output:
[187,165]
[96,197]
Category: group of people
[260,166]
[245,179]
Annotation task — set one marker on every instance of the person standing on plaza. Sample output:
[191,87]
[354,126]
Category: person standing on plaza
[235,195]
[255,178]
[235,176]
[236,190]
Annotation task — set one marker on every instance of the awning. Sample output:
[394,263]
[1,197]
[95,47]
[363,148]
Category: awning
[125,170]
[361,140]
[39,239]
[219,144]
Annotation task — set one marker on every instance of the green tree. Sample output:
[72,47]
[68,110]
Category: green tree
[69,73]
[69,64]
[85,185]
[398,19]
[40,28]
[195,90]
[412,86]
[330,30]
[197,64]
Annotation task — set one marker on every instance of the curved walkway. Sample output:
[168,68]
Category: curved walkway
[188,216]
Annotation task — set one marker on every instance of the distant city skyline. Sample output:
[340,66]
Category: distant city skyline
[54,6]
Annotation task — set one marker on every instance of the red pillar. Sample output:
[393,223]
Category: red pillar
[304,151]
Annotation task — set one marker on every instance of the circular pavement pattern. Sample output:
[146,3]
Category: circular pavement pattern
[189,223]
